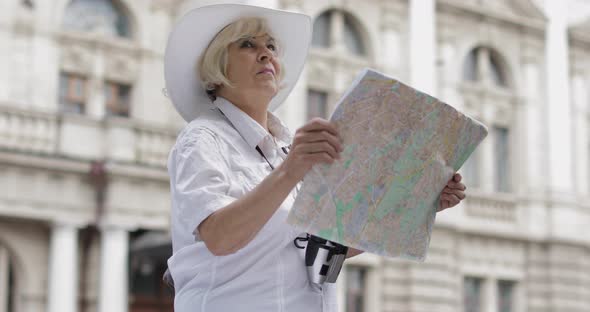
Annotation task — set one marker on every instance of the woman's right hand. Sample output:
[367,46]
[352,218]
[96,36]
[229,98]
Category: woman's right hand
[316,142]
[232,227]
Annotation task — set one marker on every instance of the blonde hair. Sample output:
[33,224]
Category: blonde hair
[212,66]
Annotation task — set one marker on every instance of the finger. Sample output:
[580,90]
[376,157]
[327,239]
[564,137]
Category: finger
[452,198]
[444,204]
[320,147]
[318,136]
[457,177]
[460,193]
[320,124]
[456,186]
[319,158]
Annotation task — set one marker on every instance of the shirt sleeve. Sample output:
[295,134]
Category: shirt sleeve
[200,184]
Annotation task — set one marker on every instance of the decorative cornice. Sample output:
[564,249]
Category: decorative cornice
[514,18]
[580,33]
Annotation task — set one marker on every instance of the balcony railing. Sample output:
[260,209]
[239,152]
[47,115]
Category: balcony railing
[81,137]
[497,207]
[28,131]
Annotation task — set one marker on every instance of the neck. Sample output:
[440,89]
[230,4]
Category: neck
[260,116]
[254,106]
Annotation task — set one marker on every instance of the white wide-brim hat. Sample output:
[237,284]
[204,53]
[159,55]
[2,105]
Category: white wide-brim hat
[195,30]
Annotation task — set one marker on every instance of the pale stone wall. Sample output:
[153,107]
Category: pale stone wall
[536,235]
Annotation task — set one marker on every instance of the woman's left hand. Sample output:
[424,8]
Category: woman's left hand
[452,194]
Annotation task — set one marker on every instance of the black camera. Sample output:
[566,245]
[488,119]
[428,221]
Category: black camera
[323,258]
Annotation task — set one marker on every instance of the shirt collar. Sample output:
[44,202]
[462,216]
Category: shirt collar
[251,130]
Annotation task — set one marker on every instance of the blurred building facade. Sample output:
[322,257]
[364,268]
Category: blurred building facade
[85,130]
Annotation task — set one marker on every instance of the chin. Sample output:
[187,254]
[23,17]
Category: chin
[269,89]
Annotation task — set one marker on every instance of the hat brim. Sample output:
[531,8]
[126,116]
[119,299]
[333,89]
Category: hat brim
[195,30]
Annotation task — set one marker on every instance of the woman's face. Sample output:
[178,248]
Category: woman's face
[253,67]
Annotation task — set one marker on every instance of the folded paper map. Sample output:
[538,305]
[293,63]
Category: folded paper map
[401,147]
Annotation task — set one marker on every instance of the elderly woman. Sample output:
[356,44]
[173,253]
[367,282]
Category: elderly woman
[234,167]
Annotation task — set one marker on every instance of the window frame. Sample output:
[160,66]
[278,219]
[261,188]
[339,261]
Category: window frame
[71,97]
[362,292]
[481,292]
[486,62]
[122,26]
[116,105]
[326,95]
[335,32]
[498,185]
[513,294]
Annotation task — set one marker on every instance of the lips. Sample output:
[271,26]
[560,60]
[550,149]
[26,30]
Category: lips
[267,70]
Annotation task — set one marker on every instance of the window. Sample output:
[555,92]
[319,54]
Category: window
[501,161]
[470,66]
[98,16]
[324,29]
[483,64]
[355,288]
[317,102]
[11,289]
[72,93]
[496,71]
[471,170]
[117,99]
[29,4]
[352,38]
[148,255]
[321,31]
[506,296]
[7,281]
[472,291]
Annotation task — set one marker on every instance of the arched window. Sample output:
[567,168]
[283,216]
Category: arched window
[484,72]
[336,35]
[97,16]
[352,37]
[29,4]
[483,65]
[337,25]
[321,31]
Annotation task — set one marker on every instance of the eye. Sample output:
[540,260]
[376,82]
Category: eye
[271,47]
[247,44]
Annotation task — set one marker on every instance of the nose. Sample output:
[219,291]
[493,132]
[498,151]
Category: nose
[265,55]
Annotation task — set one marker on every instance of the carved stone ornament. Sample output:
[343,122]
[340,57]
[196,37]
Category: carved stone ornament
[76,59]
[319,73]
[121,67]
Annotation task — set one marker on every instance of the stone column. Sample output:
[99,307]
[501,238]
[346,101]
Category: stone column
[533,120]
[45,78]
[531,149]
[113,290]
[448,89]
[422,45]
[62,292]
[4,271]
[559,111]
[490,295]
[340,71]
[95,99]
[341,289]
[582,144]
[567,222]
[7,9]
[390,46]
[486,151]
[293,111]
[45,58]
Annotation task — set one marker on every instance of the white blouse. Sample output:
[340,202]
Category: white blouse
[213,162]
